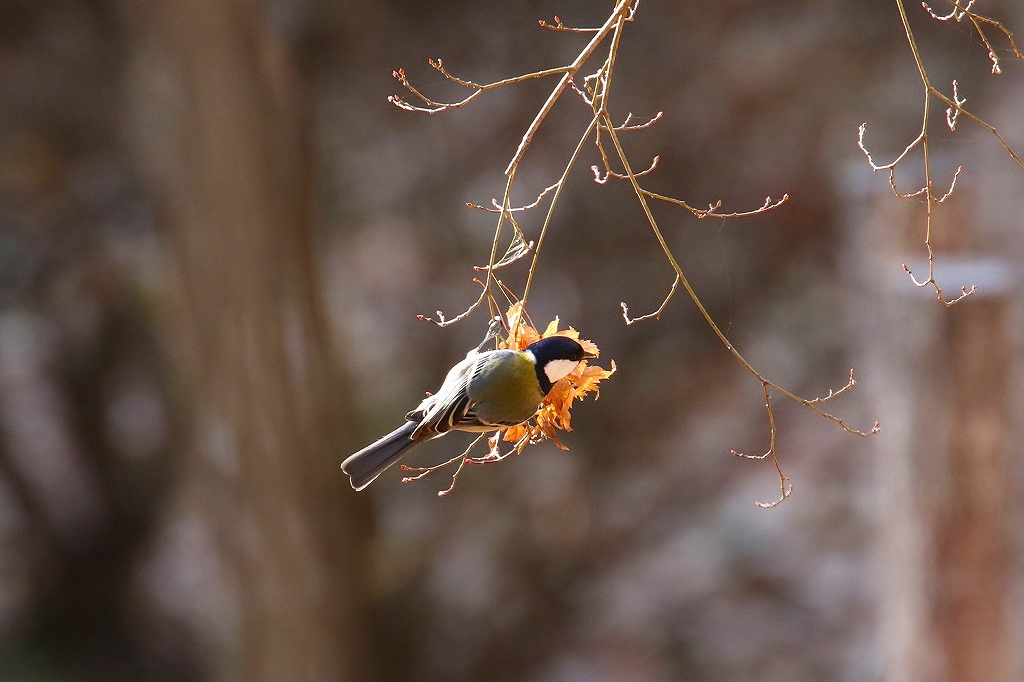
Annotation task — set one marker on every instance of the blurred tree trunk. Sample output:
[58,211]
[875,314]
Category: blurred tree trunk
[220,128]
[972,527]
[944,541]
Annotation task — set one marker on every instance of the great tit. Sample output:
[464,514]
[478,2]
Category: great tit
[485,391]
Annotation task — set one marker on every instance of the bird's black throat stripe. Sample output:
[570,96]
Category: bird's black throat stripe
[542,378]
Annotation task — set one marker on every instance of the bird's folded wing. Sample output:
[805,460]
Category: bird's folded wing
[448,409]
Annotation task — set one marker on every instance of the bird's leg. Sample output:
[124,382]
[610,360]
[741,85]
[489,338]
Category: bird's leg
[494,330]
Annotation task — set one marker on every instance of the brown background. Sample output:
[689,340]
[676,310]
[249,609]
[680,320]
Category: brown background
[215,234]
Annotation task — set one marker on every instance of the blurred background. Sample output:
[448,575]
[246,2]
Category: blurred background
[216,233]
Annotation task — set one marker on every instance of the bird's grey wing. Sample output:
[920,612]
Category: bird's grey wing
[461,412]
[440,412]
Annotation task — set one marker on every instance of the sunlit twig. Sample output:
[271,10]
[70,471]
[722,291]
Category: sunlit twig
[433,107]
[426,471]
[785,484]
[630,321]
[960,11]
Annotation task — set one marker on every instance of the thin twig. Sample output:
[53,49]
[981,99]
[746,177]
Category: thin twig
[629,125]
[630,321]
[618,14]
[833,394]
[557,25]
[785,484]
[434,107]
[426,471]
[601,179]
[516,209]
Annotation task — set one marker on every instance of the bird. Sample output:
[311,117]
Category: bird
[488,390]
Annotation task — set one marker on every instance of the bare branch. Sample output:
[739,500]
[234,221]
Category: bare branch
[712,209]
[630,321]
[443,321]
[949,303]
[629,125]
[621,11]
[833,394]
[557,25]
[785,484]
[768,205]
[955,109]
[952,186]
[957,12]
[787,489]
[493,455]
[517,209]
[434,107]
[595,93]
[601,179]
[426,471]
[876,167]
[516,250]
[977,20]
[953,112]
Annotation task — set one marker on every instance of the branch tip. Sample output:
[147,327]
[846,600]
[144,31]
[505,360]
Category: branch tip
[787,490]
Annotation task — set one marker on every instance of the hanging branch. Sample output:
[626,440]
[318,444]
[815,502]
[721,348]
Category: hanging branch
[955,109]
[595,92]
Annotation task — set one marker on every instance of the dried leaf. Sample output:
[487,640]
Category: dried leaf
[554,414]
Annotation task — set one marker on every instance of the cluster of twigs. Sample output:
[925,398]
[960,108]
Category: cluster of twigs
[955,109]
[463,459]
[594,91]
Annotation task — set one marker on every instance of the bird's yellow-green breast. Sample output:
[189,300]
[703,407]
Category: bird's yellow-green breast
[506,390]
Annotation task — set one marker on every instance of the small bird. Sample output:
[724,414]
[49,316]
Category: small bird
[484,392]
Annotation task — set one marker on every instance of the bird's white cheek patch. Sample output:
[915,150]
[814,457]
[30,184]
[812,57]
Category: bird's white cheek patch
[558,369]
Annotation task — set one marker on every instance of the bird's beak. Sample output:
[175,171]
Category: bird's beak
[589,356]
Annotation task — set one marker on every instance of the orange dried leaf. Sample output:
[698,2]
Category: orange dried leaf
[554,413]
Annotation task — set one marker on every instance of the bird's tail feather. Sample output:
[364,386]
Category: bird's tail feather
[368,463]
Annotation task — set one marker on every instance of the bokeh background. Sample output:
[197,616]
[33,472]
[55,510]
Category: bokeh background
[216,233]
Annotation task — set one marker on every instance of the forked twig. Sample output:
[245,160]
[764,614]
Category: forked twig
[630,321]
[785,483]
[426,471]
[959,12]
[433,107]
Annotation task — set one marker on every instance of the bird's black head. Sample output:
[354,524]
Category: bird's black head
[556,357]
